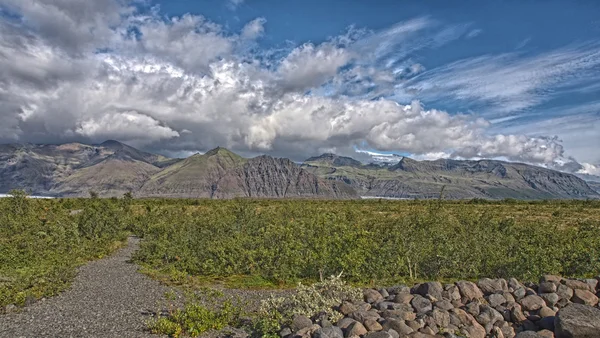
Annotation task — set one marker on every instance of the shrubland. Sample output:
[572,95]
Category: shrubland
[279,243]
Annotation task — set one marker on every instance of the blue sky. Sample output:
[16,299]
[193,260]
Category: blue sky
[507,36]
[515,80]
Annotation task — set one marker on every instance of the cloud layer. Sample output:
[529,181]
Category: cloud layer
[88,71]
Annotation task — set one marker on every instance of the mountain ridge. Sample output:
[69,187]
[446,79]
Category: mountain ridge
[112,168]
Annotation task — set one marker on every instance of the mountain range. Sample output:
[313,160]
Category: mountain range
[113,168]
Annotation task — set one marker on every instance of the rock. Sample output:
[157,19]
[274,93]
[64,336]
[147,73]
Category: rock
[551,278]
[547,312]
[546,334]
[428,331]
[514,284]
[519,293]
[307,331]
[434,289]
[300,322]
[508,331]
[355,329]
[577,321]
[384,293]
[516,314]
[444,305]
[403,297]
[489,286]
[393,333]
[421,305]
[592,283]
[329,332]
[564,292]
[451,293]
[474,331]
[473,308]
[372,325]
[496,300]
[469,291]
[380,334]
[528,334]
[345,322]
[550,298]
[584,297]
[577,285]
[441,317]
[547,287]
[398,326]
[361,316]
[372,296]
[546,323]
[509,297]
[532,303]
[285,332]
[528,325]
[347,308]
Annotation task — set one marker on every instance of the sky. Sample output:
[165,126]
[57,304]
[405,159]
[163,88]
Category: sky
[510,80]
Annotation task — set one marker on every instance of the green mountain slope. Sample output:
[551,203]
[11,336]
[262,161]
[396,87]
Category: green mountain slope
[460,179]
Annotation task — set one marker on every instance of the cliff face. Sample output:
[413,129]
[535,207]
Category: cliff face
[460,179]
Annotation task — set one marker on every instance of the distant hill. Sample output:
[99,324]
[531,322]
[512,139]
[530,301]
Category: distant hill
[460,179]
[113,168]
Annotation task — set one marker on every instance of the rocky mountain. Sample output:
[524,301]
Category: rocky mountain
[222,174]
[113,168]
[460,179]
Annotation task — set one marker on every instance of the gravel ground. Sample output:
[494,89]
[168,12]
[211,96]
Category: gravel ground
[108,298]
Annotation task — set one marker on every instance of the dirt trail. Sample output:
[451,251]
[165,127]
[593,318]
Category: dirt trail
[108,298]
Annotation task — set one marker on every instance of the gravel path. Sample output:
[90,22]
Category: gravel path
[109,298]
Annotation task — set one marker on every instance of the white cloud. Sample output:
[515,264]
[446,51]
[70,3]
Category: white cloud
[310,66]
[589,169]
[178,85]
[254,29]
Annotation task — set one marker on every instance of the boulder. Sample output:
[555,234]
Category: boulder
[550,298]
[577,284]
[577,321]
[551,278]
[372,296]
[496,299]
[546,334]
[345,322]
[300,322]
[488,286]
[469,291]
[528,334]
[403,297]
[584,297]
[398,326]
[564,292]
[347,308]
[355,329]
[433,289]
[379,334]
[532,303]
[329,332]
[421,304]
[547,287]
[372,325]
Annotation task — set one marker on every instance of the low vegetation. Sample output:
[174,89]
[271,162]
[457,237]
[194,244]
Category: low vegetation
[284,242]
[43,241]
[279,243]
